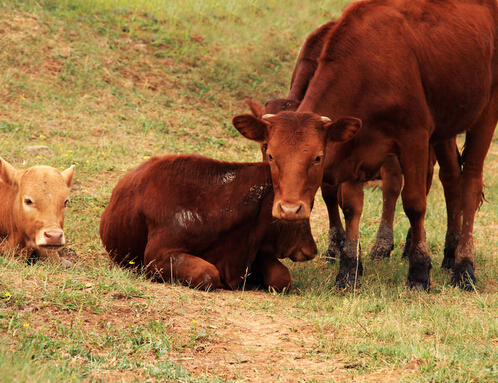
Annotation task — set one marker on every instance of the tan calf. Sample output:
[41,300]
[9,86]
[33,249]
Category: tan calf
[32,204]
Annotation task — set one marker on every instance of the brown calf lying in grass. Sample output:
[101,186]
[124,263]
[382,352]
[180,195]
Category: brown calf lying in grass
[32,204]
[202,222]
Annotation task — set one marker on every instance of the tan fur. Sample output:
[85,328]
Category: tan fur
[32,203]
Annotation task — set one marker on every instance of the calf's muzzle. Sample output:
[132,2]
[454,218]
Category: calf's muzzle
[291,211]
[51,237]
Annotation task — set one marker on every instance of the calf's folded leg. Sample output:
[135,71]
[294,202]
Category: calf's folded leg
[162,264]
[272,272]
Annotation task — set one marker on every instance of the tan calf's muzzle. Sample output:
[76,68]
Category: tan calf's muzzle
[51,237]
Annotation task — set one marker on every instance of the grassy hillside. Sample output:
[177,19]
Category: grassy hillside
[105,84]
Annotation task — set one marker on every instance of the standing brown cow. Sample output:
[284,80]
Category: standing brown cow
[350,195]
[32,204]
[415,73]
[203,222]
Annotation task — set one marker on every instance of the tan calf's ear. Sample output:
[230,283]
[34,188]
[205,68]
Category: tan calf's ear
[8,173]
[68,175]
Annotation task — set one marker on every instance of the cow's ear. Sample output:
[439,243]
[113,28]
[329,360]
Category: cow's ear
[8,173]
[343,129]
[67,175]
[256,109]
[250,127]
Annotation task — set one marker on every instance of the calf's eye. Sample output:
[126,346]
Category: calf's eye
[28,202]
[318,159]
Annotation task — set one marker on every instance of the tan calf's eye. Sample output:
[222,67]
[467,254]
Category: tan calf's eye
[28,202]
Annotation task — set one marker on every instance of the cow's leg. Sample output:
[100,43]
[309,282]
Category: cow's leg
[414,204]
[430,175]
[164,265]
[271,272]
[477,144]
[450,172]
[336,234]
[350,267]
[392,180]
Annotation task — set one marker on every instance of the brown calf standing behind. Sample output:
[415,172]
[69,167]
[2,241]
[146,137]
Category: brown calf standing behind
[32,204]
[202,222]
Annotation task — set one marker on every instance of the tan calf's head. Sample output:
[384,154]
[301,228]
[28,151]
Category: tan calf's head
[41,194]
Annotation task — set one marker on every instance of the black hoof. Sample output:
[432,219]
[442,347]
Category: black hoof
[419,286]
[449,259]
[348,282]
[336,241]
[332,256]
[463,276]
[419,276]
[384,243]
[380,250]
[348,278]
[408,244]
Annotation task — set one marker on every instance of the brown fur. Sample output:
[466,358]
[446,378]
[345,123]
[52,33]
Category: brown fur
[32,209]
[416,72]
[203,222]
[350,196]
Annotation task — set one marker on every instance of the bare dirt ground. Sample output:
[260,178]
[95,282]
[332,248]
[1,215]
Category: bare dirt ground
[246,336]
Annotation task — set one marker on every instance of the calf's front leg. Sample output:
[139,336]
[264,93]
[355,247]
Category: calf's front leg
[414,204]
[350,266]
[336,234]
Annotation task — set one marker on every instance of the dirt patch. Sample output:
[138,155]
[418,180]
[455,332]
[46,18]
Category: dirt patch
[236,335]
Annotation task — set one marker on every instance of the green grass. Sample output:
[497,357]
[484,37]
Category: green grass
[104,85]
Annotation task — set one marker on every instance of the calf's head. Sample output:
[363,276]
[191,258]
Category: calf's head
[295,145]
[41,194]
[274,106]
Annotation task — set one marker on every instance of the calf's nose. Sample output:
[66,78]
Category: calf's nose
[54,237]
[290,209]
[290,212]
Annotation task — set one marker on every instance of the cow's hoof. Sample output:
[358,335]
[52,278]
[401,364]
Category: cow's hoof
[448,260]
[419,277]
[347,282]
[332,255]
[384,243]
[348,278]
[419,286]
[381,250]
[336,240]
[463,276]
[447,263]
[408,244]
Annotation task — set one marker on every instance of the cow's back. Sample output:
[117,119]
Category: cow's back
[424,63]
[455,46]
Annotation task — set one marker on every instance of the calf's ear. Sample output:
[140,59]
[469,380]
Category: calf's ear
[8,173]
[343,129]
[256,109]
[67,175]
[250,127]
